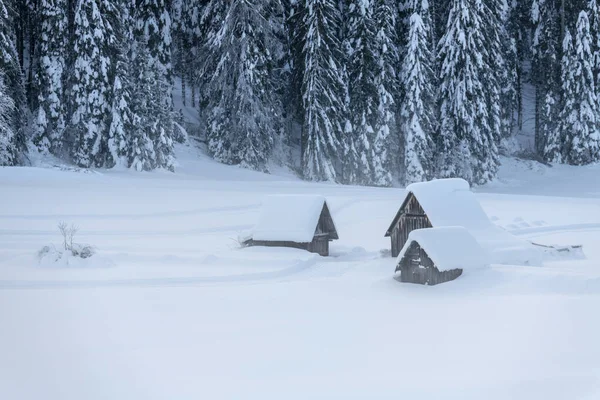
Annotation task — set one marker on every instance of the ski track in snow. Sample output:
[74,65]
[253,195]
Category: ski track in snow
[249,278]
[199,231]
[168,214]
[153,282]
[554,229]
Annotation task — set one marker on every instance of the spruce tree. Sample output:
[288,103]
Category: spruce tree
[11,70]
[243,108]
[51,59]
[296,34]
[593,12]
[153,27]
[469,129]
[153,36]
[579,119]
[545,76]
[90,90]
[386,139]
[362,48]
[417,113]
[519,27]
[187,35]
[8,148]
[141,155]
[323,92]
[120,120]
[505,61]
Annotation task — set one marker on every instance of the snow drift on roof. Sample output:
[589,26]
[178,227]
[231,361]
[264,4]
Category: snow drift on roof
[289,218]
[450,247]
[450,202]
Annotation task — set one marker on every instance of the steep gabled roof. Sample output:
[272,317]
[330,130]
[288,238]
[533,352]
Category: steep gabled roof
[447,202]
[398,214]
[293,218]
[450,247]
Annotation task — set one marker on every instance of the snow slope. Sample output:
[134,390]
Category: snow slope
[184,313]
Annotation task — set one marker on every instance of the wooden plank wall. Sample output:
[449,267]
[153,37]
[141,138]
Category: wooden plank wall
[318,245]
[417,267]
[413,217]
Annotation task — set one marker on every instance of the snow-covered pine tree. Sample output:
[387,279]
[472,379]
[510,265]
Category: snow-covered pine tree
[439,13]
[295,31]
[89,94]
[555,142]
[187,31]
[8,148]
[593,12]
[386,140]
[417,111]
[243,110]
[179,51]
[284,151]
[545,76]
[361,38]
[518,26]
[579,117]
[153,27]
[51,56]
[10,69]
[467,89]
[141,155]
[153,31]
[505,63]
[323,93]
[162,127]
[120,121]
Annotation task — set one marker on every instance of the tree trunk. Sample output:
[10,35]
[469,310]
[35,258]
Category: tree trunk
[562,21]
[192,88]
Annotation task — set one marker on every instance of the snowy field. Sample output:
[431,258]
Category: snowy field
[172,308]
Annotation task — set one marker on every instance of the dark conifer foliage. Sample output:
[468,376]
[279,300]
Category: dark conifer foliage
[13,140]
[369,92]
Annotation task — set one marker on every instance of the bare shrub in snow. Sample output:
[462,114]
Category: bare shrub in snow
[68,233]
[70,254]
[63,229]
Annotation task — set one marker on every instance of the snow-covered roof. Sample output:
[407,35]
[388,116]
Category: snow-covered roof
[450,202]
[290,218]
[449,247]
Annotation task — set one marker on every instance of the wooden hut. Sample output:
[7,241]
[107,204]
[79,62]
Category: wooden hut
[297,221]
[450,202]
[438,255]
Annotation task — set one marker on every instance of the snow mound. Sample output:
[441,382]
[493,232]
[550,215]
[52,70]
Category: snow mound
[450,202]
[451,247]
[80,256]
[289,218]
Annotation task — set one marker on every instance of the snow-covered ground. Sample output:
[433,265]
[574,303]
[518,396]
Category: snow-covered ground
[174,309]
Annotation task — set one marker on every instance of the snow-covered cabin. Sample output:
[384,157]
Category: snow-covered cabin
[450,202]
[437,255]
[298,221]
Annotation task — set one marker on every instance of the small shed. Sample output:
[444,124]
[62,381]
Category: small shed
[450,202]
[297,221]
[438,255]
